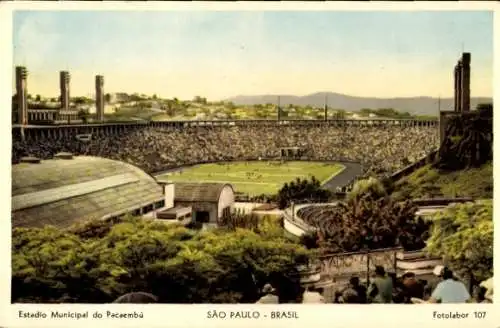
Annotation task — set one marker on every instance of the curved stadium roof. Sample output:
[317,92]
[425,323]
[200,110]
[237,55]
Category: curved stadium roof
[199,192]
[61,192]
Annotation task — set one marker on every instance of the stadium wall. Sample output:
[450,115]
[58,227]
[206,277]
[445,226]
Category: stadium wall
[413,166]
[64,130]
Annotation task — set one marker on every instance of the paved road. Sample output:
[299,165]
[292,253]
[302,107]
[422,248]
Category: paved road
[340,180]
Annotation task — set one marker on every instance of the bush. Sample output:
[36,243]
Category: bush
[302,190]
[463,235]
[429,182]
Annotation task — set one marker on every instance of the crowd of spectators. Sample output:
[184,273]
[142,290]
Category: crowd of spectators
[382,288]
[381,150]
[389,288]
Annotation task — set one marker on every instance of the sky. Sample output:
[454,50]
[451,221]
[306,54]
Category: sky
[220,54]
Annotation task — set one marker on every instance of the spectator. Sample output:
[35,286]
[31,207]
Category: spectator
[355,285]
[137,298]
[479,294]
[437,272]
[349,296]
[449,290]
[311,295]
[381,150]
[380,290]
[411,287]
[487,285]
[269,295]
[337,298]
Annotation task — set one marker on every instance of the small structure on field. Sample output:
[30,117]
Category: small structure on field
[291,153]
[209,201]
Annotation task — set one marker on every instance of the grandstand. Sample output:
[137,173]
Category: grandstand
[381,149]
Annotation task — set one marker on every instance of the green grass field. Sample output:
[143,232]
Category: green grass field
[255,178]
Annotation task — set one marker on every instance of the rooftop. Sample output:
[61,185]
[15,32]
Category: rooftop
[65,191]
[199,192]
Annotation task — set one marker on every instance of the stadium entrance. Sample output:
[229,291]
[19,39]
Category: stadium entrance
[202,216]
[291,153]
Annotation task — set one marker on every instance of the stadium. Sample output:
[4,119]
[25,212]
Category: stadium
[195,173]
[156,149]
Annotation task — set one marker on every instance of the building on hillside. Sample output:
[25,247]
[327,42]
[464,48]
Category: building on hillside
[74,189]
[118,97]
[209,202]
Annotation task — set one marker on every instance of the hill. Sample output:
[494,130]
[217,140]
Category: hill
[413,105]
[429,182]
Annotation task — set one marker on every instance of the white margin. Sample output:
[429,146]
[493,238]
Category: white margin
[157,315]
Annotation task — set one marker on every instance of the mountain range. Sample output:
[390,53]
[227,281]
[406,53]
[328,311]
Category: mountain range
[413,105]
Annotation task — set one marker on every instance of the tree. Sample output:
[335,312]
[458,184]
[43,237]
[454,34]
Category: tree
[310,240]
[99,261]
[170,107]
[81,100]
[38,98]
[240,220]
[463,235]
[61,269]
[83,115]
[339,114]
[365,111]
[369,219]
[302,190]
[388,112]
[200,100]
[367,188]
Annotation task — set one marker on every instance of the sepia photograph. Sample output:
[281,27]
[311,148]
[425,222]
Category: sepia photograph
[252,156]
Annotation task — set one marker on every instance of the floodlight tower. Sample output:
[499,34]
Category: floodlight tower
[326,108]
[279,109]
[99,100]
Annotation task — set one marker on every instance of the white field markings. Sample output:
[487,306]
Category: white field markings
[243,176]
[240,182]
[243,171]
[262,167]
[220,179]
[342,168]
[233,171]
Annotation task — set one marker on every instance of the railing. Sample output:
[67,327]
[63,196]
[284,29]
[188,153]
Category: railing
[338,268]
[441,201]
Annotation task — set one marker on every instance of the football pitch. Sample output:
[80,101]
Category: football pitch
[256,177]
